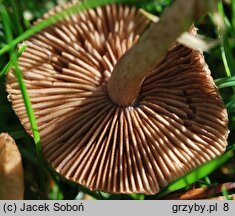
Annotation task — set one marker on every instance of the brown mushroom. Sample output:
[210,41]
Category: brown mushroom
[11,170]
[176,122]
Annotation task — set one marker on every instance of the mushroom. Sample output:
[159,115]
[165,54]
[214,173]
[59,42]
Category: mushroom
[11,170]
[101,136]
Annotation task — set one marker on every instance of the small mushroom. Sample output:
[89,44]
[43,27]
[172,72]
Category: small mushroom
[176,122]
[11,170]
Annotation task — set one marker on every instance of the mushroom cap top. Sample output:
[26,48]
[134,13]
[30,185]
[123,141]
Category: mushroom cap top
[177,123]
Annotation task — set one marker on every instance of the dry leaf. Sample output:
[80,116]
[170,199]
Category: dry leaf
[199,193]
[11,170]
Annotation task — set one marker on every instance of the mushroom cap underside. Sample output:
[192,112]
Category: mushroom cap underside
[177,123]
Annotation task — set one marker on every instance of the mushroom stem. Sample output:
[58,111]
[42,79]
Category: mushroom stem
[125,82]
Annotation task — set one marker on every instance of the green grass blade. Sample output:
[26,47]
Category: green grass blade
[227,56]
[7,68]
[226,193]
[196,174]
[226,51]
[32,121]
[29,109]
[231,148]
[233,13]
[6,24]
[225,82]
[222,13]
[231,106]
[137,196]
[16,17]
